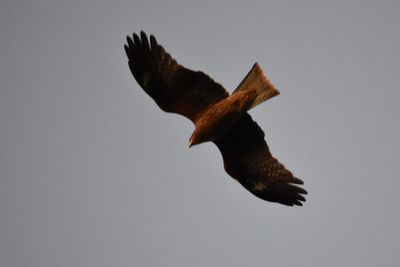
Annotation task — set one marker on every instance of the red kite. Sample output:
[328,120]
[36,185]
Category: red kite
[218,117]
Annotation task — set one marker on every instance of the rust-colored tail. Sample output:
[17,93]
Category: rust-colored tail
[257,81]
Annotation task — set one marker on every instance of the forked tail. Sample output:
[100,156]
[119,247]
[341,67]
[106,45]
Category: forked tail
[257,81]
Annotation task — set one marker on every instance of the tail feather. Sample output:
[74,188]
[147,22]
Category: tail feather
[257,81]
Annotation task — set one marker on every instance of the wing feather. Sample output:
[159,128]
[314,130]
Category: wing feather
[247,159]
[173,87]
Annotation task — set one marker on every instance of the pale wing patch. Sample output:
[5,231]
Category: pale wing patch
[259,187]
[146,79]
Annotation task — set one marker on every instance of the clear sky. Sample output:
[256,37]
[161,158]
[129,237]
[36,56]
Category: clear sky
[92,173]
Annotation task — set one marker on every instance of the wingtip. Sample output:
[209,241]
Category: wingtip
[126,50]
[129,41]
[153,41]
[298,203]
[136,39]
[296,180]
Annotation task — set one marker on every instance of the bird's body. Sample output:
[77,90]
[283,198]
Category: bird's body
[218,117]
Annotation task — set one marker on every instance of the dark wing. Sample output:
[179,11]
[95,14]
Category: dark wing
[247,159]
[173,87]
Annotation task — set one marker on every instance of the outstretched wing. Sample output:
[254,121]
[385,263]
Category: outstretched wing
[173,87]
[247,159]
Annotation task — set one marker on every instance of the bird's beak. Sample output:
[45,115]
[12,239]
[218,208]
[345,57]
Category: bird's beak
[190,142]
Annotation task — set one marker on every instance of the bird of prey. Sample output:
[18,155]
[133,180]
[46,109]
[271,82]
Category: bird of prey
[218,116]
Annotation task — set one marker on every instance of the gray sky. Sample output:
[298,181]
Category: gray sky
[92,173]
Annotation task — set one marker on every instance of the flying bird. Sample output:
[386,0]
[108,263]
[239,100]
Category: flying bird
[218,116]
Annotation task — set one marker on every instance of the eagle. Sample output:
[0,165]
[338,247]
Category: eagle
[218,116]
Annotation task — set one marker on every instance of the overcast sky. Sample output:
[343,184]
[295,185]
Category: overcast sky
[93,173]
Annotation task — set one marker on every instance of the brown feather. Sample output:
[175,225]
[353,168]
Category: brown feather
[247,159]
[173,87]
